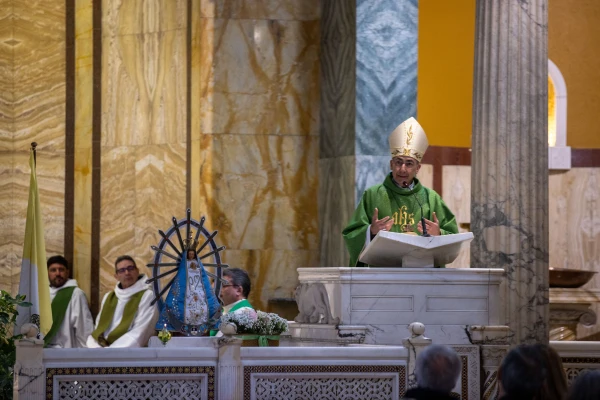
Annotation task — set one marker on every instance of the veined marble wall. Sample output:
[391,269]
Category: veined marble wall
[386,82]
[32,108]
[238,80]
[369,86]
[144,115]
[256,176]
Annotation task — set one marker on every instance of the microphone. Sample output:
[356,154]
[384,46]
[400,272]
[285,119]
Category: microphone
[425,234]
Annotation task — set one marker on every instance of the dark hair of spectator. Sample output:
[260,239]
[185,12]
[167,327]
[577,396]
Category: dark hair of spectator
[555,385]
[238,277]
[125,257]
[57,260]
[586,386]
[523,372]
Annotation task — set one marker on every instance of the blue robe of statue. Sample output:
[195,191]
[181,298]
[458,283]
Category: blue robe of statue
[191,303]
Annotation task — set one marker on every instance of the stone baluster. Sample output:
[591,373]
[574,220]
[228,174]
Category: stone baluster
[230,381]
[509,197]
[415,344]
[29,372]
[493,345]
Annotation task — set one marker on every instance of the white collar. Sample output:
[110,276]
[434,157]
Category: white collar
[68,283]
[230,306]
[139,285]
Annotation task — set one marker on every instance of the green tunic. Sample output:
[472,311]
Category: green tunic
[401,205]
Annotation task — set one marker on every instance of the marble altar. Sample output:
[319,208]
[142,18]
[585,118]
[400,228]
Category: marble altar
[376,305]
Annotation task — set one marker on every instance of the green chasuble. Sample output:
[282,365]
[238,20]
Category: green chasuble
[401,205]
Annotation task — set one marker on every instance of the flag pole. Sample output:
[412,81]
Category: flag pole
[33,146]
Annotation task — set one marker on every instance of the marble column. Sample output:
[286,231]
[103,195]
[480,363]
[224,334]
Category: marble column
[368,87]
[509,199]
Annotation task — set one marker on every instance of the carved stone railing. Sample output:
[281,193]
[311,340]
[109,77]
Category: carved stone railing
[577,357]
[211,368]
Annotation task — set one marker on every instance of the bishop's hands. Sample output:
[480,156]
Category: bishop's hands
[433,227]
[384,224]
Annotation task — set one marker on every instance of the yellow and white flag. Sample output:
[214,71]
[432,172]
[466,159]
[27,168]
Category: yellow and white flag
[34,276]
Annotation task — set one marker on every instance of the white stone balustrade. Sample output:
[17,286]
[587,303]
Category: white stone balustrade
[219,369]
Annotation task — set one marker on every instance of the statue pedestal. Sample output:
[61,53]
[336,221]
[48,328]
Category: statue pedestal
[569,307]
[376,305]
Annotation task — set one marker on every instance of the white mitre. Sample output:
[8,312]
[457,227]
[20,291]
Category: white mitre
[408,140]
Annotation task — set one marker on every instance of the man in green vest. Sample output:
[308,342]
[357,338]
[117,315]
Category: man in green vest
[72,321]
[126,317]
[234,292]
[396,204]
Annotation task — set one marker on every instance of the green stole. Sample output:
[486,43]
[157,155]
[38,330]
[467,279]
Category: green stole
[241,304]
[108,311]
[59,309]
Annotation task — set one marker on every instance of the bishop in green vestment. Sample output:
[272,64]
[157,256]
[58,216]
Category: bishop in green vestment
[394,204]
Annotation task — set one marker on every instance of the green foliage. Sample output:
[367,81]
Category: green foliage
[8,317]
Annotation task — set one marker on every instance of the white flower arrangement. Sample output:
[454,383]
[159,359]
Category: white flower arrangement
[246,320]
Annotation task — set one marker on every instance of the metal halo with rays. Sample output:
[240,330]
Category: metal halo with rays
[173,246]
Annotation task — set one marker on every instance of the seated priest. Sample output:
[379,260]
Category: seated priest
[126,318]
[395,205]
[72,321]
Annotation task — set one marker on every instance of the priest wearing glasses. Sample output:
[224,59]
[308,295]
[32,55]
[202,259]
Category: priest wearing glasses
[395,205]
[126,318]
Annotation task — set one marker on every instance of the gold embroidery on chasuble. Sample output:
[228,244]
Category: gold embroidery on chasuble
[403,218]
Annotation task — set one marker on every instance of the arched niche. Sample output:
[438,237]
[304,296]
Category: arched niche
[559,154]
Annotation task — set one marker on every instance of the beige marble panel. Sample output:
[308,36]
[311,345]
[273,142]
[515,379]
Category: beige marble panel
[143,188]
[456,192]
[203,178]
[201,87]
[51,186]
[7,75]
[575,225]
[263,77]
[117,215]
[425,175]
[131,17]
[575,199]
[36,21]
[35,72]
[297,10]
[266,189]
[272,272]
[82,218]
[8,259]
[144,89]
[160,195]
[6,24]
[559,183]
